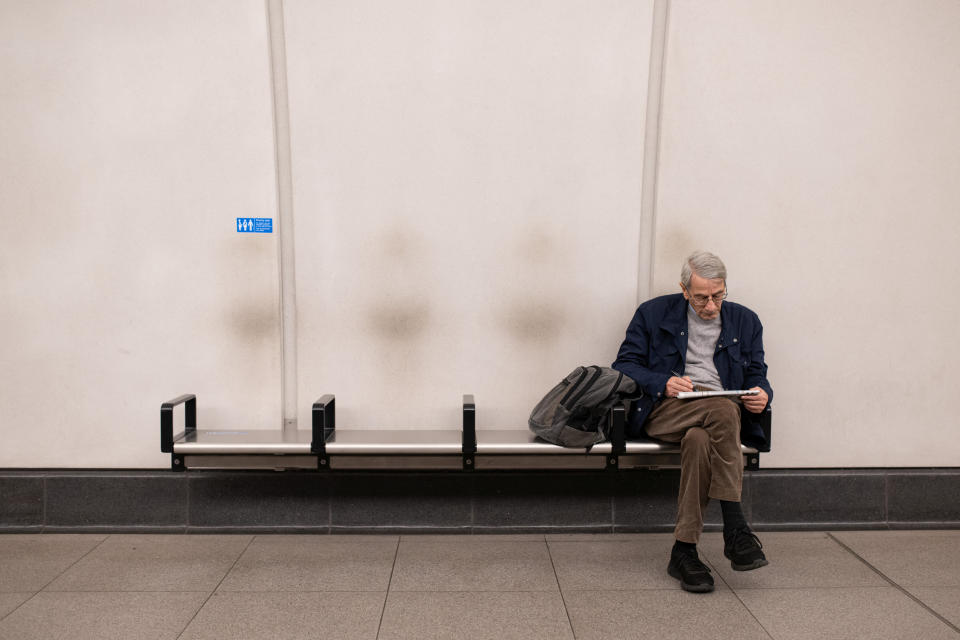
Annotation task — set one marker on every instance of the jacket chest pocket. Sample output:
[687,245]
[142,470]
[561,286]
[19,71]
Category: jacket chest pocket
[742,355]
[735,353]
[735,360]
[664,352]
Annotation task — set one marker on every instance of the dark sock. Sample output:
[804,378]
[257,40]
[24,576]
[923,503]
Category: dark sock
[732,516]
[684,547]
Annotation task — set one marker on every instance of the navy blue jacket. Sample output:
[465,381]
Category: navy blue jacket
[656,347]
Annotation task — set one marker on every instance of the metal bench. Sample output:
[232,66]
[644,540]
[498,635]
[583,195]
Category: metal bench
[465,448]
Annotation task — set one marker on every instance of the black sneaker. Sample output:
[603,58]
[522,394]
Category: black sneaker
[743,549]
[693,575]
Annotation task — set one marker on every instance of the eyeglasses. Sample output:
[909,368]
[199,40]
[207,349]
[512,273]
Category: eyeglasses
[701,301]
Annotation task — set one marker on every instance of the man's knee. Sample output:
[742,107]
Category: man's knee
[725,415]
[695,440]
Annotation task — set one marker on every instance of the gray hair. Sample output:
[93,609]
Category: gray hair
[704,264]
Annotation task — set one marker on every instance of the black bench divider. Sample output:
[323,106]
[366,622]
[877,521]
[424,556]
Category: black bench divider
[189,402]
[322,425]
[617,434]
[469,446]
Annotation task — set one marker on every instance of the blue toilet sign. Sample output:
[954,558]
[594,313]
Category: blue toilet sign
[254,225]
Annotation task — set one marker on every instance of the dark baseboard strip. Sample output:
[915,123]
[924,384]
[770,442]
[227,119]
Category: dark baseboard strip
[641,501]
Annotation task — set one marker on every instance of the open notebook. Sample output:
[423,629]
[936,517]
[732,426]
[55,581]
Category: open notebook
[688,395]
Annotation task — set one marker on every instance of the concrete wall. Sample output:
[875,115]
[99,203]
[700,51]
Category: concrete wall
[466,187]
[466,179]
[815,145]
[131,138]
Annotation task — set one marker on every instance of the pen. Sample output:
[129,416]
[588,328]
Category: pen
[679,376]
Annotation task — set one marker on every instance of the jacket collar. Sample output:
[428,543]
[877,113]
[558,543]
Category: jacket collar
[675,323]
[675,319]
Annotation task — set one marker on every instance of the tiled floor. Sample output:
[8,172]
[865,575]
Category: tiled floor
[876,584]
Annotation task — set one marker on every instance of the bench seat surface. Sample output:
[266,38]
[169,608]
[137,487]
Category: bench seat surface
[396,442]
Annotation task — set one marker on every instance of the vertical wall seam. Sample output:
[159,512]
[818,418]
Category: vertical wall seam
[43,514]
[284,176]
[886,499]
[187,486]
[651,148]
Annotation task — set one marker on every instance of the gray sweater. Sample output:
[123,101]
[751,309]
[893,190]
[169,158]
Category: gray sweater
[701,345]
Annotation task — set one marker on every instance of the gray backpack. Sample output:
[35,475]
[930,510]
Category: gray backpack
[574,413]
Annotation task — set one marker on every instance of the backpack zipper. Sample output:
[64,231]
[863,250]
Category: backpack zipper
[573,387]
[573,401]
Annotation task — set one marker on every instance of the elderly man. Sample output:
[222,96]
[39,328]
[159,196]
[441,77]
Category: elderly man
[695,341]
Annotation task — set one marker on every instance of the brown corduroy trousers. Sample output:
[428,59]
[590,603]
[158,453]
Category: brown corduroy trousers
[711,463]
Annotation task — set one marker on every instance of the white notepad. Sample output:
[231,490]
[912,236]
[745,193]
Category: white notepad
[689,395]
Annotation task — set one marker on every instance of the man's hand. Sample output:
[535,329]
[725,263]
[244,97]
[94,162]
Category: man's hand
[675,385]
[755,404]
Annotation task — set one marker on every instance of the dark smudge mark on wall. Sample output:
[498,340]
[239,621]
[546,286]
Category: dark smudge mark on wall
[399,245]
[398,310]
[534,321]
[677,241]
[537,246]
[255,320]
[533,311]
[400,321]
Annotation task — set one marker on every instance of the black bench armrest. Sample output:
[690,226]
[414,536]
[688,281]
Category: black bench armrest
[189,402]
[755,428]
[323,422]
[616,429]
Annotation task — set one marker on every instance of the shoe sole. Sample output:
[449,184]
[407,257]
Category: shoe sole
[692,588]
[756,564]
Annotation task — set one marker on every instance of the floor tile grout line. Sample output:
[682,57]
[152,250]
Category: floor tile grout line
[563,598]
[78,561]
[214,590]
[32,596]
[742,603]
[386,595]
[288,591]
[82,591]
[809,587]
[54,579]
[892,583]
